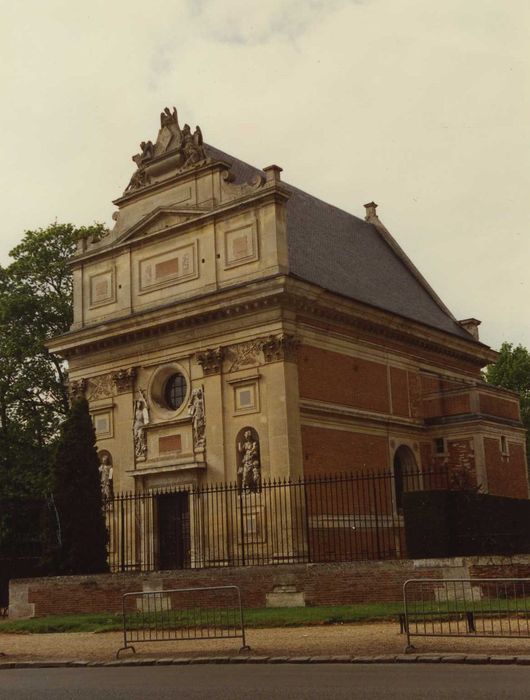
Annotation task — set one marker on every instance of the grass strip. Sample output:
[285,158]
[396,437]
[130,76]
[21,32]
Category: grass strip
[254,618]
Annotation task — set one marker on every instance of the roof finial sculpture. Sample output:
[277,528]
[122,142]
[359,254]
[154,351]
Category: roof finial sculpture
[185,148]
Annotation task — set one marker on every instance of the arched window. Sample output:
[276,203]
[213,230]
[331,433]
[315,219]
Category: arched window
[175,391]
[404,473]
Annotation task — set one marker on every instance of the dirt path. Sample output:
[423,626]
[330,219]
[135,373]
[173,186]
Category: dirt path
[352,639]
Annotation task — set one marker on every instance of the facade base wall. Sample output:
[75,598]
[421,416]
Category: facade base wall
[316,584]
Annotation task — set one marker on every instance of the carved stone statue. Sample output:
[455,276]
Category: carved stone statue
[139,179]
[105,473]
[140,421]
[249,464]
[192,147]
[167,117]
[148,152]
[196,411]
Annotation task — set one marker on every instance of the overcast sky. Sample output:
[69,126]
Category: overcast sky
[420,105]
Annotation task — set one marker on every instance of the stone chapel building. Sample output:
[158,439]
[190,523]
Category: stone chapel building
[231,326]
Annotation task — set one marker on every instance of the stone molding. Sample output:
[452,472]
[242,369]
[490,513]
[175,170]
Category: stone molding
[375,323]
[123,379]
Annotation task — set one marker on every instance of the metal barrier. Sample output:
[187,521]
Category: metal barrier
[183,613]
[474,607]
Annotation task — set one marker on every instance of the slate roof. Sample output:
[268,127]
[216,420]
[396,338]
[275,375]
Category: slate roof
[344,254]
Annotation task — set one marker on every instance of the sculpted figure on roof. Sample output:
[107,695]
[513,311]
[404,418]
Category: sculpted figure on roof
[185,148]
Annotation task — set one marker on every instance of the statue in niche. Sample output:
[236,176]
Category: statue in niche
[140,421]
[196,411]
[105,474]
[248,463]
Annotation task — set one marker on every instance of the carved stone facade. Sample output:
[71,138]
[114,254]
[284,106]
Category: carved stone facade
[221,333]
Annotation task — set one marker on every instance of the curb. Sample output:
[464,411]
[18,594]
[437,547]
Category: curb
[471,659]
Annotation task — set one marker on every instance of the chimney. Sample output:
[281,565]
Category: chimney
[371,212]
[471,326]
[272,173]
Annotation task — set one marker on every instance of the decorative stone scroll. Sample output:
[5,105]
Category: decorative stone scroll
[77,388]
[280,347]
[248,460]
[99,387]
[196,411]
[140,422]
[123,379]
[211,360]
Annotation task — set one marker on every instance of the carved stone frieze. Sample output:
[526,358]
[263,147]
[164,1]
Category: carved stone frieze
[99,387]
[123,379]
[280,347]
[211,360]
[244,354]
[196,411]
[77,388]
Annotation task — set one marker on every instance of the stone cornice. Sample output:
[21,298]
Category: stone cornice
[341,413]
[473,419]
[275,291]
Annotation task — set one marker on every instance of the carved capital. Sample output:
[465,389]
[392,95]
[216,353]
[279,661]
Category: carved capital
[280,347]
[211,360]
[77,388]
[123,379]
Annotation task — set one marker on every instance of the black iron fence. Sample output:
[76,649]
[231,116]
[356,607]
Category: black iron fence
[343,517]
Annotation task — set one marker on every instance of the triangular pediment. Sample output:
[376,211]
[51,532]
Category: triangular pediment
[159,220]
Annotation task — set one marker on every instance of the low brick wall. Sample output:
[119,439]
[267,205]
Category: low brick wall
[317,584]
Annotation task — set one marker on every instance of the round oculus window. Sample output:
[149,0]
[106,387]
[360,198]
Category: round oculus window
[175,390]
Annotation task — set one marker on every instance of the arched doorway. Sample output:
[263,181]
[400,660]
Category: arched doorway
[404,469]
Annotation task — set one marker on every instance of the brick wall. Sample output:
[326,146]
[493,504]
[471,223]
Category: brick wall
[328,451]
[507,474]
[335,378]
[322,584]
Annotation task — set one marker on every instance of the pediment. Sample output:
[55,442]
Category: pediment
[159,220]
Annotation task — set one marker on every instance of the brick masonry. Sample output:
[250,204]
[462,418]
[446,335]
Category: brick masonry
[320,584]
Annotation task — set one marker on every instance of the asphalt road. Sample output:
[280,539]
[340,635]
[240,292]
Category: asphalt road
[333,681]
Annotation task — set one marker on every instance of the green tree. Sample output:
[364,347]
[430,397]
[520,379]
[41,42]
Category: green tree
[512,371]
[35,304]
[78,499]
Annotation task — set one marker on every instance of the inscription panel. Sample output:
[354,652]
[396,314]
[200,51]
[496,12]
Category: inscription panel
[175,266]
